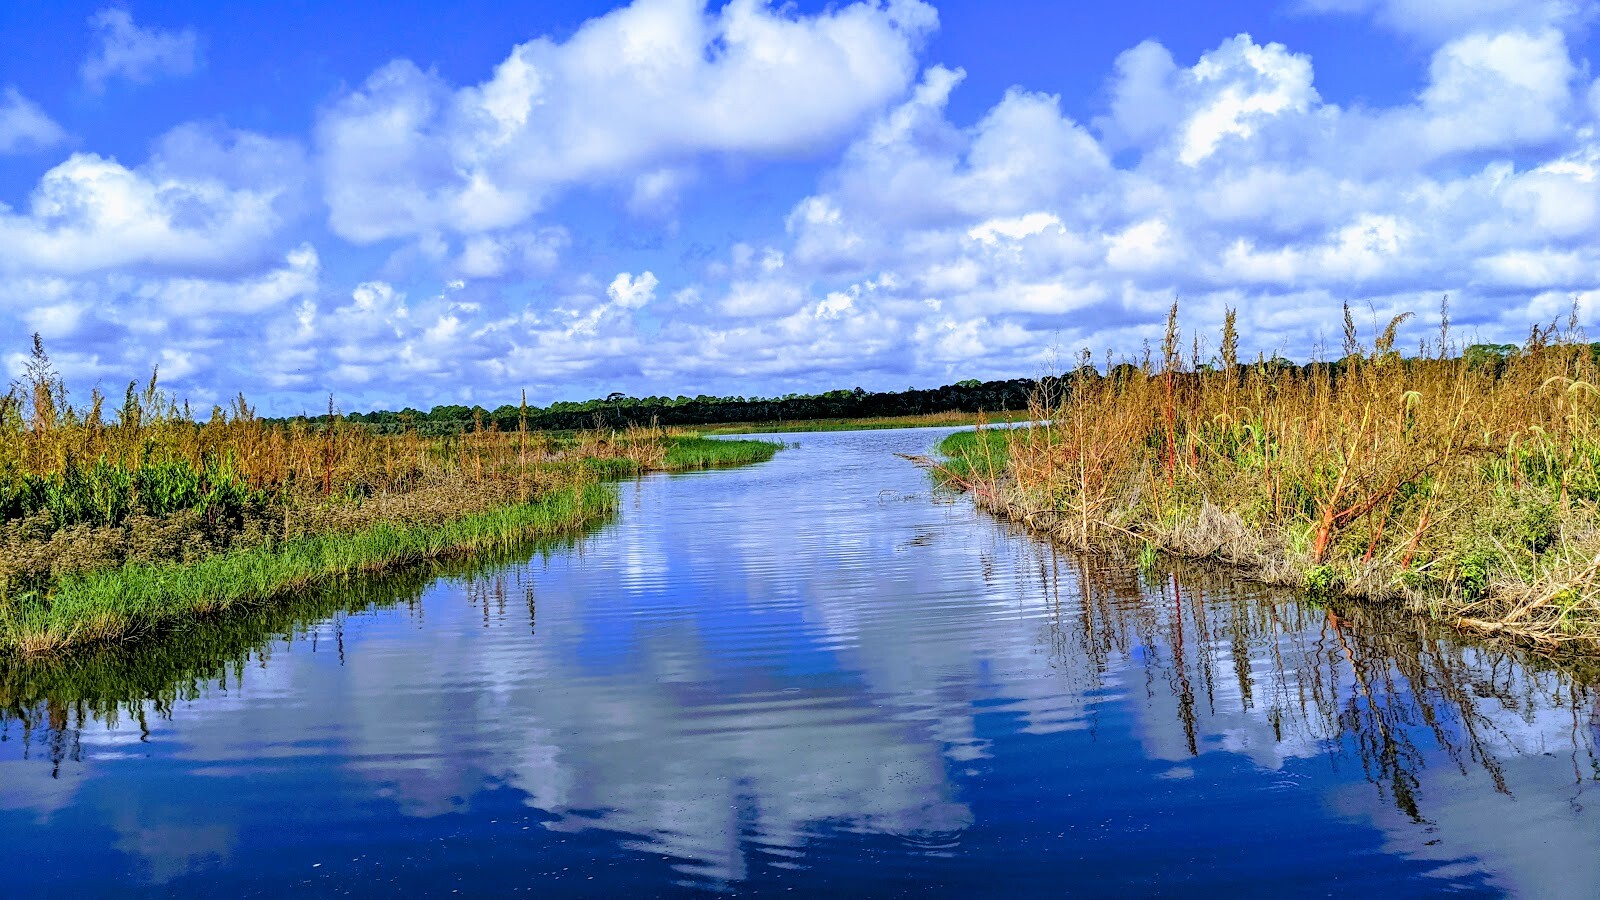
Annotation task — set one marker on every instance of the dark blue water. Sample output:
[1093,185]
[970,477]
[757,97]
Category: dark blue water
[814,675]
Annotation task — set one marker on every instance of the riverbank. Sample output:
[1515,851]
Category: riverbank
[930,420]
[143,599]
[672,643]
[1463,485]
[84,604]
[114,530]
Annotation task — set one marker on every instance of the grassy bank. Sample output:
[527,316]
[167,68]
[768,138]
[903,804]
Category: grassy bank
[931,420]
[1465,484]
[79,603]
[142,599]
[128,680]
[975,457]
[114,527]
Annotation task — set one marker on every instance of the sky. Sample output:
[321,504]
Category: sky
[423,203]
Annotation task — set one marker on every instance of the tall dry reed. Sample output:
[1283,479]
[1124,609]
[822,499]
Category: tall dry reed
[1465,481]
[85,490]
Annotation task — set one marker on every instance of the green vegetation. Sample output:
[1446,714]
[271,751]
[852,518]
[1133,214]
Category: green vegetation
[1463,483]
[112,680]
[968,398]
[114,529]
[135,600]
[975,457]
[695,452]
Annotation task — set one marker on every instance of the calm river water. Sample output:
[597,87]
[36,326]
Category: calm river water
[814,675]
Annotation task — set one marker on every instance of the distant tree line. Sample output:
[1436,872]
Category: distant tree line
[620,410]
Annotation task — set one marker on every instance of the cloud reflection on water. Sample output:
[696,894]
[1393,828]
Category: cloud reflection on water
[750,659]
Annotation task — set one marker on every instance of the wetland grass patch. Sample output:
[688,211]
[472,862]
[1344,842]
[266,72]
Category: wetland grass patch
[117,524]
[697,452]
[142,599]
[1462,482]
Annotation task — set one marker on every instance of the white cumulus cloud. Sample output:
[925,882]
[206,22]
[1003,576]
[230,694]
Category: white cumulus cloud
[934,246]
[649,85]
[206,199]
[1498,90]
[1243,84]
[1245,188]
[633,293]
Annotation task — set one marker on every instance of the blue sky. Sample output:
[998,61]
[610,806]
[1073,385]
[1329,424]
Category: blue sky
[450,202]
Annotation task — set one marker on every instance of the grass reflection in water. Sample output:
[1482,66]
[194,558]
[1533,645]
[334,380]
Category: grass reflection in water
[1227,666]
[48,701]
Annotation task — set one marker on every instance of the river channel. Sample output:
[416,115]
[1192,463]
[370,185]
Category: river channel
[814,675]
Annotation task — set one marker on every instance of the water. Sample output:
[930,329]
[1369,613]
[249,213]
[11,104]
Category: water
[812,675]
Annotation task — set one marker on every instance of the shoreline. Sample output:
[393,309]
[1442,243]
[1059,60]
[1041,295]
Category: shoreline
[1213,536]
[141,601]
[135,602]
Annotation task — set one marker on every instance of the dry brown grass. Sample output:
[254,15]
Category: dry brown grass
[1466,484]
[84,490]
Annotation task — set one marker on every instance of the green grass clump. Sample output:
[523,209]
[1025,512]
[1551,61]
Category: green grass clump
[696,452]
[971,456]
[608,468]
[136,600]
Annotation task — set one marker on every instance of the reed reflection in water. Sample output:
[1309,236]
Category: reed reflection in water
[815,673]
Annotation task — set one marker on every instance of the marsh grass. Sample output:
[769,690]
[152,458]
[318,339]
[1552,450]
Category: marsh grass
[975,458]
[130,680]
[138,600]
[113,528]
[1463,482]
[697,452]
